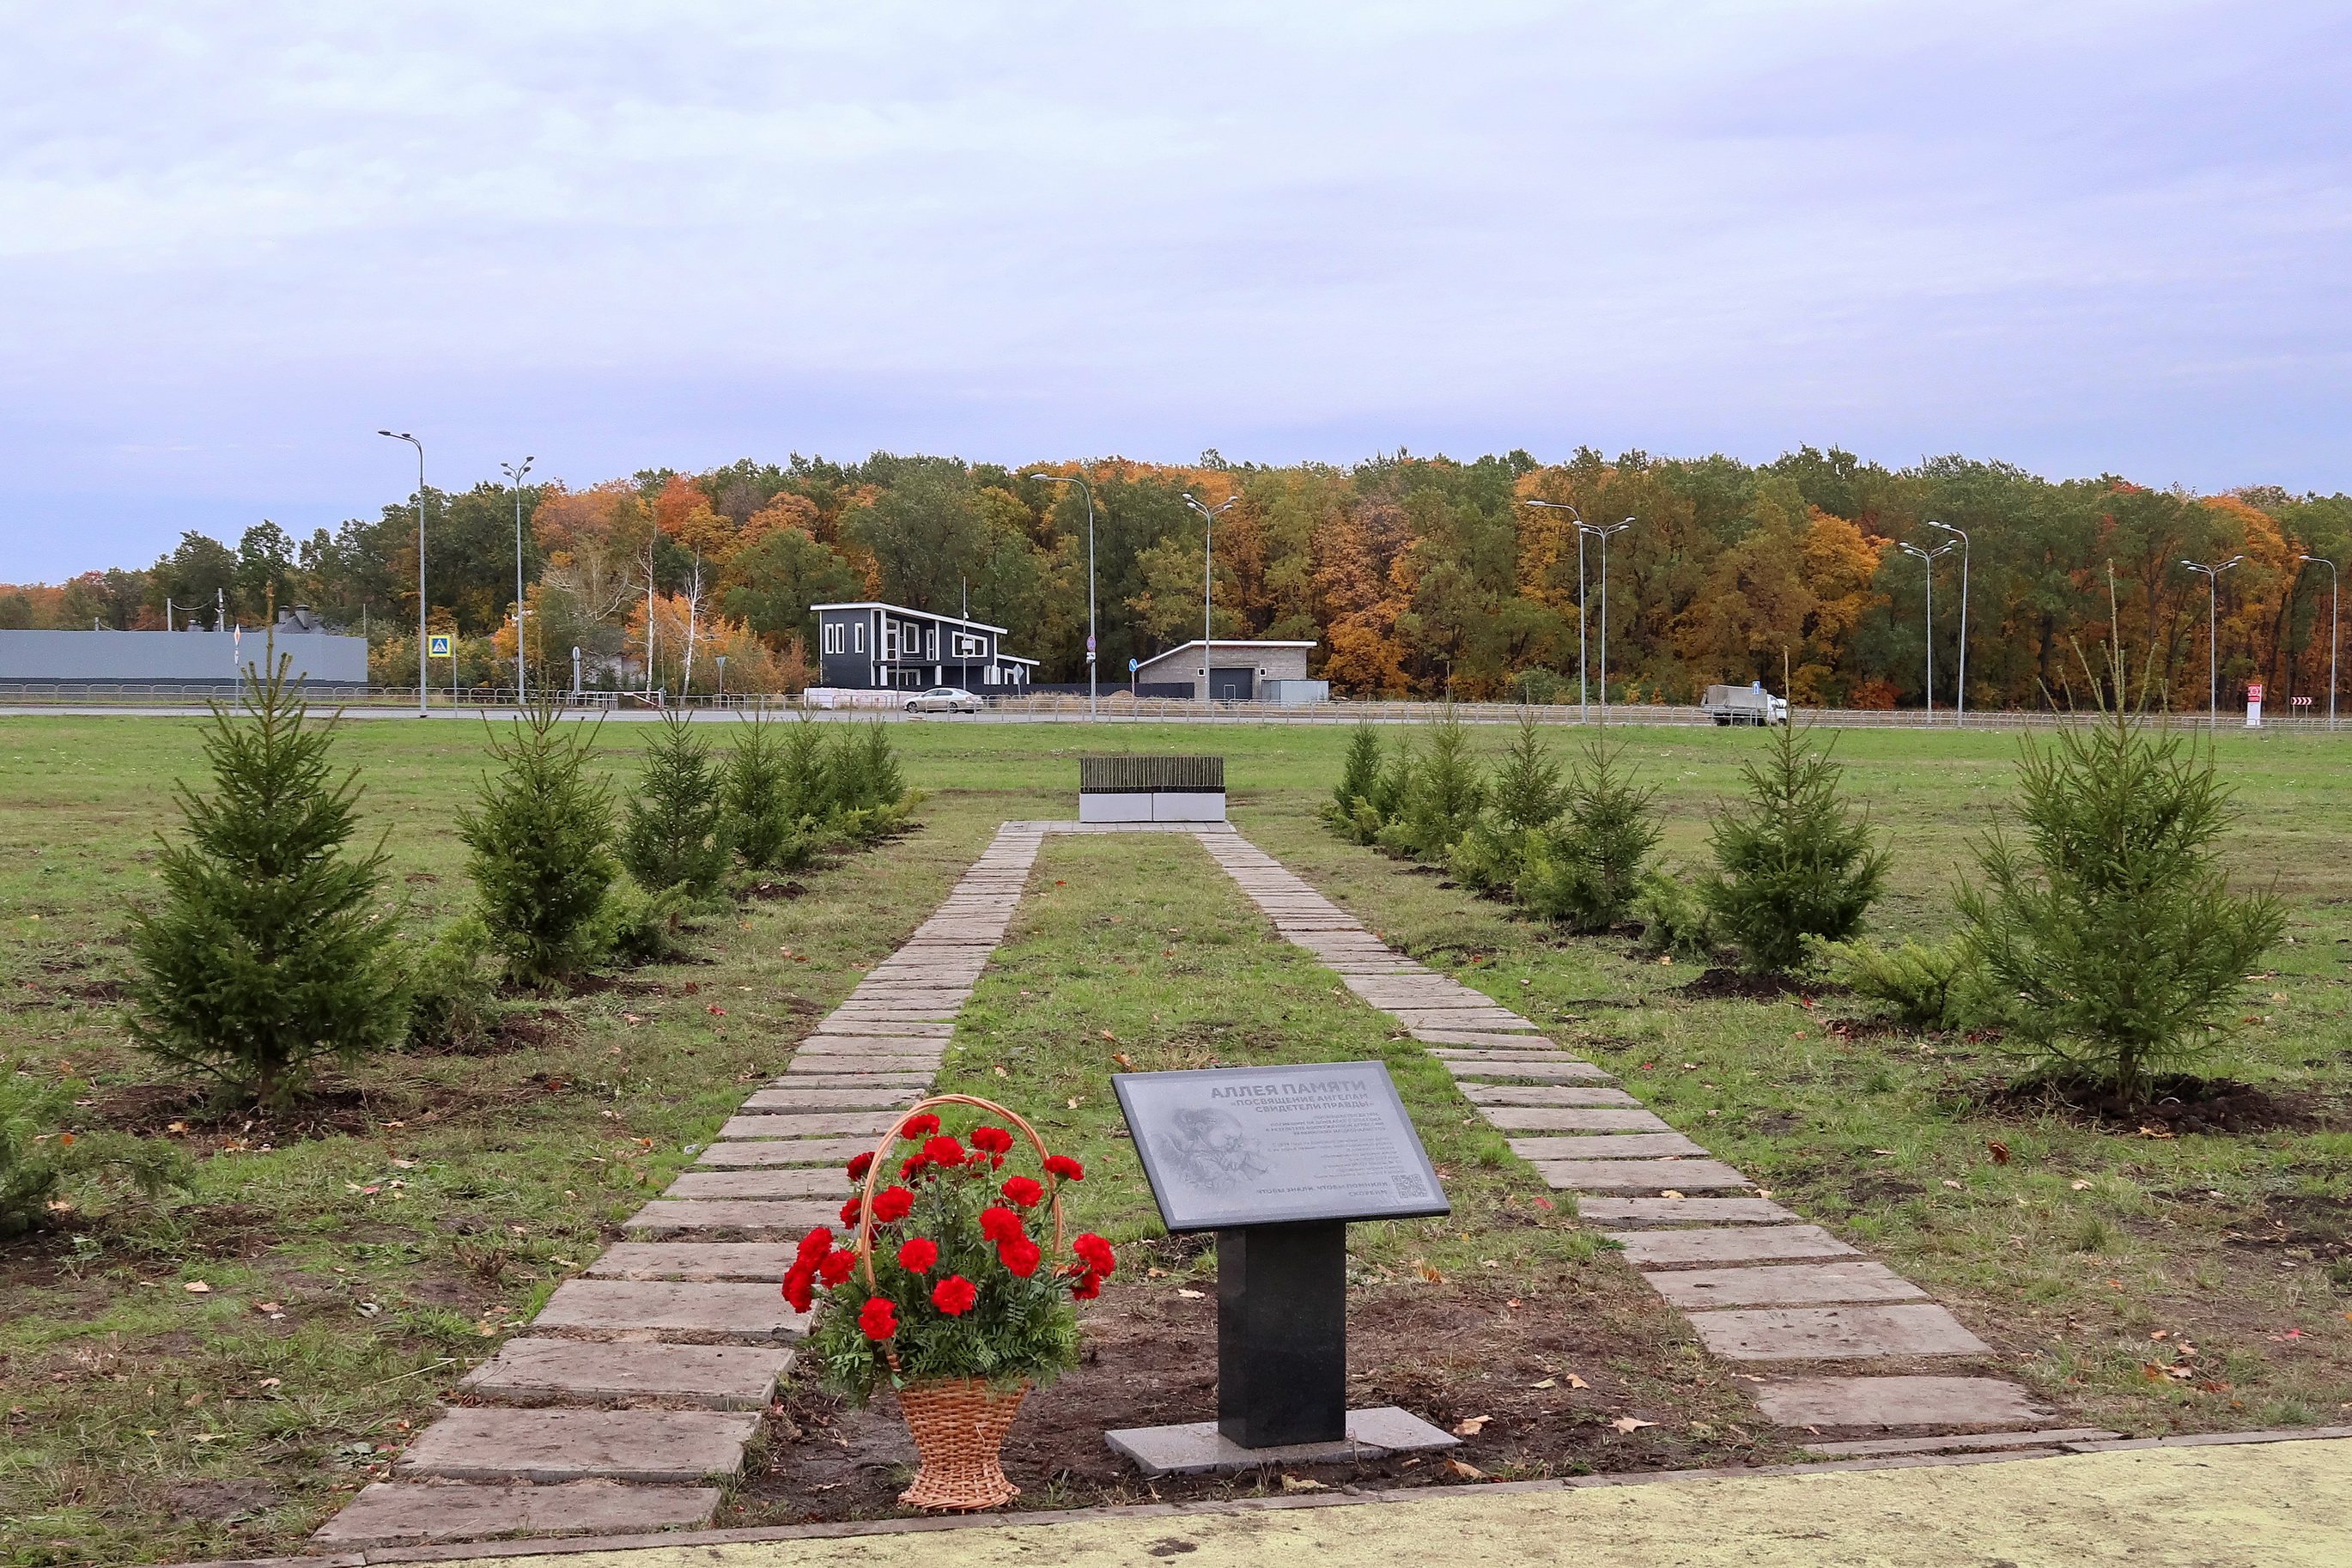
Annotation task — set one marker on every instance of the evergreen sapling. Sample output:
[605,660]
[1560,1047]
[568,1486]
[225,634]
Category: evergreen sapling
[1795,861]
[540,834]
[675,835]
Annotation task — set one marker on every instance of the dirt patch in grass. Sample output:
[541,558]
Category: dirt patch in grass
[1469,1354]
[774,890]
[1732,985]
[2173,1106]
[333,1106]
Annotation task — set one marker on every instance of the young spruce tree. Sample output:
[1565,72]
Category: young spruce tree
[2110,943]
[762,818]
[541,832]
[1795,861]
[263,956]
[675,834]
[1587,869]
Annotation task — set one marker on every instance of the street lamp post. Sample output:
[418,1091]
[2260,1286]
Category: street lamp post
[2212,647]
[1928,559]
[1962,708]
[1584,700]
[514,479]
[1088,491]
[1208,581]
[1603,535]
[423,684]
[2323,561]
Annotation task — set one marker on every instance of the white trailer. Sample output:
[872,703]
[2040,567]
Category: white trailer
[1744,705]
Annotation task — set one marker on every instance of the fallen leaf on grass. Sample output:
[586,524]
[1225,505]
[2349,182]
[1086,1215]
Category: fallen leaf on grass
[1427,1272]
[1468,1473]
[1951,1183]
[1301,1484]
[1192,1294]
[1471,1426]
[1627,1424]
[715,1011]
[271,1382]
[196,1288]
[1576,1382]
[267,1307]
[2081,1186]
[1123,1059]
[1111,1037]
[1515,1303]
[1999,1153]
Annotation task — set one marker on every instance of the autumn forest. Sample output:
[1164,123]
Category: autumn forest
[1415,575]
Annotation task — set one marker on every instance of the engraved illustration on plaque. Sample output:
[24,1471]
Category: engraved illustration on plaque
[1208,1151]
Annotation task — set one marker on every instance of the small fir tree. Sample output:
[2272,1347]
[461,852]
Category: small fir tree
[1447,792]
[2109,941]
[1359,773]
[675,835]
[1796,861]
[540,832]
[264,957]
[757,793]
[1588,869]
[1527,792]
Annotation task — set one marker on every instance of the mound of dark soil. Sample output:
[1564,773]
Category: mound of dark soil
[774,890]
[2172,1105]
[1732,985]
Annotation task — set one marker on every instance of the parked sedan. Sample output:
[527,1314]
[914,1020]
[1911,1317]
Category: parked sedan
[944,699]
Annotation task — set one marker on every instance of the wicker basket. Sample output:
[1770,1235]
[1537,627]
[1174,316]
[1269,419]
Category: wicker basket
[958,1425]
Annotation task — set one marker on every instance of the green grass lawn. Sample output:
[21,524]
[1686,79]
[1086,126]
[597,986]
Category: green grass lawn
[423,1202]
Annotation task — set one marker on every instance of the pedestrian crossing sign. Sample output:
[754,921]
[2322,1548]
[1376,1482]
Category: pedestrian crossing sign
[437,645]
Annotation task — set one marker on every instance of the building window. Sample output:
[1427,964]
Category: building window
[931,642]
[833,636]
[857,636]
[966,646]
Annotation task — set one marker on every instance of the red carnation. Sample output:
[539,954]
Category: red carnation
[943,1151]
[1061,1165]
[878,1318]
[1095,1253]
[892,1203]
[1022,1257]
[1088,1286]
[815,1245]
[999,1224]
[1022,1191]
[797,1280]
[849,1212]
[913,1164]
[954,1295]
[916,1127]
[860,1165]
[995,1140]
[836,1268]
[918,1255]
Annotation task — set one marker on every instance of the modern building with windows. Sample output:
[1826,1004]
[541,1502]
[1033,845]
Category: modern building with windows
[869,647]
[1237,671]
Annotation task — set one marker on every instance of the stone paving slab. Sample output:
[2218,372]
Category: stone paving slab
[1970,1441]
[395,1513]
[825,1075]
[1691,1211]
[826,1045]
[1198,1447]
[1490,1038]
[655,1446]
[825,1183]
[1639,1176]
[801,1067]
[1456,1018]
[819,1123]
[1651,1249]
[745,1260]
[1539,1051]
[1606,1146]
[792,1219]
[793,1150]
[1545,1094]
[837,1024]
[1537,1072]
[668,1306]
[575,1371]
[1821,1333]
[1785,1285]
[1897,1402]
[1526,1119]
[818,1099]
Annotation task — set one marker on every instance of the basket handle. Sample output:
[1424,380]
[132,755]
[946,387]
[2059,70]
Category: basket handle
[873,1170]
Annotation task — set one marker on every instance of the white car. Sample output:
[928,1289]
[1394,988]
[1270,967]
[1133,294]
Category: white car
[944,699]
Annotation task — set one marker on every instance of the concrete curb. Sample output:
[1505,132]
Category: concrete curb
[573,1545]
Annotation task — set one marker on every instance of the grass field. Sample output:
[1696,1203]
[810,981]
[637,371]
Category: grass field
[360,1255]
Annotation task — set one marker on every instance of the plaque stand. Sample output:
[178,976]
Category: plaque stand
[1282,1333]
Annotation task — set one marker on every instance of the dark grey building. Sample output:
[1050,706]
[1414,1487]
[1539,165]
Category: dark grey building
[866,646]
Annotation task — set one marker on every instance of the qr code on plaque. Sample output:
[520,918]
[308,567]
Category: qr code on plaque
[1408,1185]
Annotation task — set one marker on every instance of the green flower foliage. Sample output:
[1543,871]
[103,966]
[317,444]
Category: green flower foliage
[540,832]
[2110,941]
[1795,861]
[263,956]
[676,832]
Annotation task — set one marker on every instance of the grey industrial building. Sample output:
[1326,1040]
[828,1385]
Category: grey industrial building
[1237,671]
[328,662]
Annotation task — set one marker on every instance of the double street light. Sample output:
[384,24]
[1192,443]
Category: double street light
[2323,561]
[2212,624]
[1962,536]
[514,479]
[1928,558]
[1583,529]
[1208,580]
[423,684]
[1088,491]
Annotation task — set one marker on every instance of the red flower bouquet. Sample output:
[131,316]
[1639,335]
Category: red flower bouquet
[941,1290]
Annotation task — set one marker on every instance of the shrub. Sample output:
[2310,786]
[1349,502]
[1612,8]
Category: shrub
[541,833]
[1674,919]
[38,1157]
[453,999]
[1926,987]
[264,957]
[1796,861]
[1587,868]
[1444,796]
[638,927]
[2111,936]
[868,794]
[675,836]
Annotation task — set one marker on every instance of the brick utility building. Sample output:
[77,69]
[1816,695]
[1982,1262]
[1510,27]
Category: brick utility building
[869,647]
[1237,671]
[329,663]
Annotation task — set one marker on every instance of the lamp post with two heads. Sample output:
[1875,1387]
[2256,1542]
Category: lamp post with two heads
[2212,626]
[2323,561]
[514,474]
[1584,700]
[1208,580]
[1088,491]
[423,684]
[1928,559]
[1962,707]
[1603,535]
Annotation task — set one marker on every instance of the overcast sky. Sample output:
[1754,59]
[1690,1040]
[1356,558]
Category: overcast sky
[237,238]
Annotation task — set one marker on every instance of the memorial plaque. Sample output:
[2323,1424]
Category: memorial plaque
[1228,1147]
